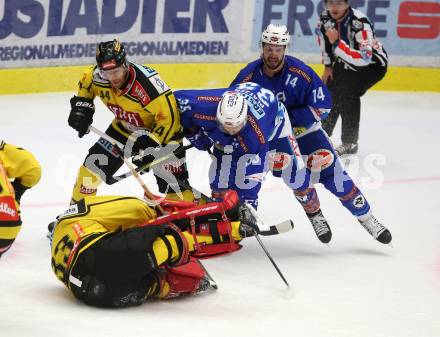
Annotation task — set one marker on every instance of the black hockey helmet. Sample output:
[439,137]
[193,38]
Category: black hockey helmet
[110,54]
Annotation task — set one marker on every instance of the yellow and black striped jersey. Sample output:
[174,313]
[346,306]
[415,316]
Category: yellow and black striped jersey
[87,222]
[17,163]
[145,103]
[20,163]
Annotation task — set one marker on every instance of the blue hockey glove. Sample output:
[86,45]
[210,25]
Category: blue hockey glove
[200,141]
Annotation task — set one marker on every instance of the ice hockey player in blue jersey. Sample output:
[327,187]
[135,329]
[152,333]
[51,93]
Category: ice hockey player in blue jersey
[308,101]
[250,133]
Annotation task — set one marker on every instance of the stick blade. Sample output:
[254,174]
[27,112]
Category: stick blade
[282,227]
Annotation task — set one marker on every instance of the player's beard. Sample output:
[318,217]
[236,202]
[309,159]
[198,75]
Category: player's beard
[273,63]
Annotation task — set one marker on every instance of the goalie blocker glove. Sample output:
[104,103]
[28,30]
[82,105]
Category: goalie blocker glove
[81,115]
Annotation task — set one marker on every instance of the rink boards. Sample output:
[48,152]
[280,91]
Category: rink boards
[194,75]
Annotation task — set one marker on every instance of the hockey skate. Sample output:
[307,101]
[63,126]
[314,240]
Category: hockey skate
[321,227]
[347,148]
[376,230]
[50,228]
[206,284]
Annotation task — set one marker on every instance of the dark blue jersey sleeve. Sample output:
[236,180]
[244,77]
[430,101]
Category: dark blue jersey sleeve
[246,74]
[307,98]
[198,108]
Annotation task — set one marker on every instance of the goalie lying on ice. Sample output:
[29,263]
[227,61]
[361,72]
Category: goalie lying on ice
[114,251]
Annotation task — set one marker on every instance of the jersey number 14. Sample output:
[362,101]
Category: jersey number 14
[318,94]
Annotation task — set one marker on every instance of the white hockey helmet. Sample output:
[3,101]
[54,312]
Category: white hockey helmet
[232,111]
[275,34]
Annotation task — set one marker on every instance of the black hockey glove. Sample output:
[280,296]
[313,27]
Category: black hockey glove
[248,221]
[19,189]
[327,21]
[143,151]
[81,115]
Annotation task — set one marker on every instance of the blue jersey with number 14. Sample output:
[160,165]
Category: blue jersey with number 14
[305,96]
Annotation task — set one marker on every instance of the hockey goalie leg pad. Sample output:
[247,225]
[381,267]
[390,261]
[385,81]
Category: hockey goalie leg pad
[216,223]
[182,243]
[208,251]
[211,220]
[182,279]
[218,211]
[171,205]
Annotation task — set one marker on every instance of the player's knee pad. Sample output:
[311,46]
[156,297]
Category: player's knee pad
[182,279]
[320,157]
[321,163]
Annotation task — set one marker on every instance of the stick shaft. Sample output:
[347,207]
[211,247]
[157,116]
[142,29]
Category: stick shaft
[130,166]
[271,260]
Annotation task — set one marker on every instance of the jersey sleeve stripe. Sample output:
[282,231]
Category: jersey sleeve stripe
[173,114]
[301,72]
[351,56]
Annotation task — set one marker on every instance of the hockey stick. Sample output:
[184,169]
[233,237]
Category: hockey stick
[120,146]
[275,229]
[271,259]
[130,166]
[115,179]
[279,228]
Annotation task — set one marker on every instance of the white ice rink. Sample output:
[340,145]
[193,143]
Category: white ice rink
[355,287]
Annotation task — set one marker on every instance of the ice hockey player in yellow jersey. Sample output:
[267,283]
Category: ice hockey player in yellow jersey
[23,169]
[114,251]
[145,111]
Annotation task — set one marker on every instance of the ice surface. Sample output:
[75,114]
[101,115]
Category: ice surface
[355,287]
